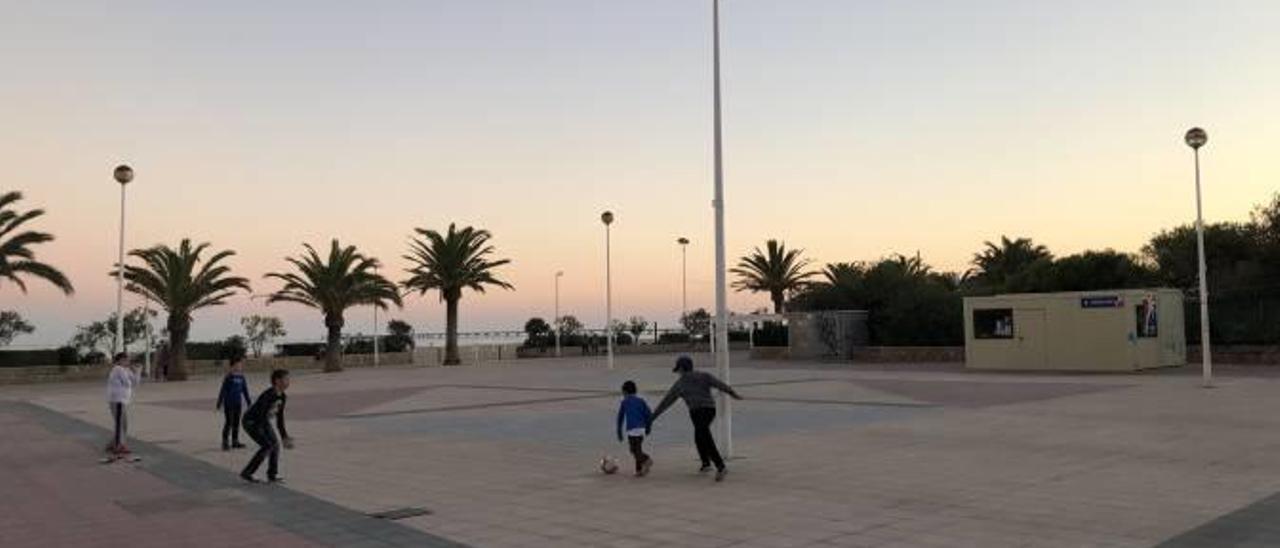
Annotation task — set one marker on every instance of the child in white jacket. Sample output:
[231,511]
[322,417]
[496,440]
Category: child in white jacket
[120,383]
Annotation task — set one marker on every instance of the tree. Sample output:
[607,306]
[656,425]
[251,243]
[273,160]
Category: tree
[17,259]
[182,282]
[1098,270]
[996,264]
[260,330]
[11,326]
[451,262]
[776,271]
[100,336]
[400,338]
[568,325]
[537,331]
[234,347]
[697,323]
[637,325]
[343,280]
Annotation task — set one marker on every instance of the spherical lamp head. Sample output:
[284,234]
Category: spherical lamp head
[1196,138]
[123,174]
[683,241]
[606,218]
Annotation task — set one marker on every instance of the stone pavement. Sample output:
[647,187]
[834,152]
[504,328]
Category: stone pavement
[829,455]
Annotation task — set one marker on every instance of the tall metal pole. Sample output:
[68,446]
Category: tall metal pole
[684,276]
[122,174]
[375,329]
[146,315]
[556,321]
[607,219]
[722,313]
[1207,353]
[1196,138]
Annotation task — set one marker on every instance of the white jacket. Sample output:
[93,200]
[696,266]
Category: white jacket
[120,383]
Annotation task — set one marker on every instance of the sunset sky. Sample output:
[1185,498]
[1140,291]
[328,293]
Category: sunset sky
[853,129]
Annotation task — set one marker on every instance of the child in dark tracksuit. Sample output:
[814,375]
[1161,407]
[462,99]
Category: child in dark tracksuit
[633,419]
[257,423]
[234,390]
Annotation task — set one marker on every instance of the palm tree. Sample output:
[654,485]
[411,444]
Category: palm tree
[996,264]
[777,270]
[182,283]
[16,257]
[451,262]
[331,286]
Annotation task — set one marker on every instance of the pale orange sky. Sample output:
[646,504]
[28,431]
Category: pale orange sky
[851,131]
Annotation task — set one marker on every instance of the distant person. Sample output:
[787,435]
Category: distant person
[694,387]
[257,423]
[120,384]
[234,390]
[633,420]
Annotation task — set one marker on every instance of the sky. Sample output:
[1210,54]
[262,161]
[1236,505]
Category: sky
[853,130]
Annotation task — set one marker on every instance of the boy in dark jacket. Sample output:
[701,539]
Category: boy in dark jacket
[633,419]
[257,423]
[234,389]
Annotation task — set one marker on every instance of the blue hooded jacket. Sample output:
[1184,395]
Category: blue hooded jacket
[632,413]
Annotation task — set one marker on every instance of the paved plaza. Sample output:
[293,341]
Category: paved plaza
[506,455]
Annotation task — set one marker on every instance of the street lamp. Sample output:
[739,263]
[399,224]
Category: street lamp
[556,319]
[607,219]
[123,174]
[1196,138]
[722,297]
[375,327]
[684,276]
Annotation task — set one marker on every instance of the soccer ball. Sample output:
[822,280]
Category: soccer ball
[608,465]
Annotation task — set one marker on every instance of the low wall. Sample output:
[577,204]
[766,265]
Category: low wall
[427,357]
[909,354]
[630,349]
[1238,354]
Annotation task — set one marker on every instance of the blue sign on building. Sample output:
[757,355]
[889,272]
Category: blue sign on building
[1106,301]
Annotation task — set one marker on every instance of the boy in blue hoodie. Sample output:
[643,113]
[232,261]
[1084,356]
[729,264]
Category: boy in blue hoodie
[234,389]
[633,419]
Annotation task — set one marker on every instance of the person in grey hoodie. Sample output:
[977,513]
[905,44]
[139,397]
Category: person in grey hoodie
[694,387]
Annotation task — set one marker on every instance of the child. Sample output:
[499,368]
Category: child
[234,388]
[120,382]
[633,418]
[257,423]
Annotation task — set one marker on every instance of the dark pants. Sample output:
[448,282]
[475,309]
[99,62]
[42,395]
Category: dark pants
[231,425]
[268,448]
[702,419]
[121,425]
[637,450]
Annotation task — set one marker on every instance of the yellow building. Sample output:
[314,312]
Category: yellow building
[1124,330]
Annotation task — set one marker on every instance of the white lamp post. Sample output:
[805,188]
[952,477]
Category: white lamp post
[722,297]
[1196,138]
[556,320]
[123,174]
[684,275]
[375,329]
[607,219]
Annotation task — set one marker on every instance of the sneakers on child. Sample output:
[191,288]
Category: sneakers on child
[237,445]
[248,478]
[721,473]
[705,468]
[645,467]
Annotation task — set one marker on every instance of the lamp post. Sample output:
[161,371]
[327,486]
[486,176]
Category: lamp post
[123,174]
[722,297]
[556,320]
[375,328]
[684,275]
[1195,139]
[607,219]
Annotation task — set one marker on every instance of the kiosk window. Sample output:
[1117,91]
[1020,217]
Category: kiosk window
[1147,326]
[993,323]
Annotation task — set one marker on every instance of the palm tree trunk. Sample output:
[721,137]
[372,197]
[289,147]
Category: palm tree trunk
[451,331]
[333,350]
[179,330]
[777,301]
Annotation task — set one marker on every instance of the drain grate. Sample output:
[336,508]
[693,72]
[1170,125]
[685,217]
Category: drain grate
[401,513]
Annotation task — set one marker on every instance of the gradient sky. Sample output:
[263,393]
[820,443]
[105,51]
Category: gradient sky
[854,129]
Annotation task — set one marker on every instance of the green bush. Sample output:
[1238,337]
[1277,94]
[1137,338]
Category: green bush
[771,334]
[301,349]
[674,338]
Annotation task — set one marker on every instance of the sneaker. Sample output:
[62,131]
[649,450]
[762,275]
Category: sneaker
[276,479]
[237,445]
[226,447]
[123,450]
[721,473]
[644,468]
[249,478]
[705,468]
